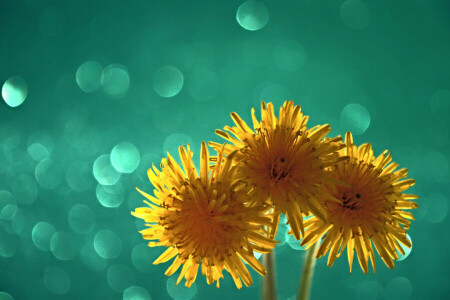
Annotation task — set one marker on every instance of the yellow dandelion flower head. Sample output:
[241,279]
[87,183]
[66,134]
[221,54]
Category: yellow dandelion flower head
[204,220]
[366,214]
[282,161]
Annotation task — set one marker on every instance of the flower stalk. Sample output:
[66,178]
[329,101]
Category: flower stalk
[308,272]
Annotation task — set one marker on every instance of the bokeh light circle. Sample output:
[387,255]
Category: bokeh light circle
[104,172]
[355,118]
[48,173]
[107,244]
[142,257]
[406,249]
[180,291]
[56,280]
[398,288]
[437,208]
[42,234]
[64,246]
[290,55]
[90,258]
[38,152]
[115,80]
[14,91]
[81,218]
[5,296]
[79,176]
[8,205]
[125,157]
[89,75]
[252,15]
[168,81]
[136,293]
[120,277]
[110,195]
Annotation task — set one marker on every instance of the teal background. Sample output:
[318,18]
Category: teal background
[390,57]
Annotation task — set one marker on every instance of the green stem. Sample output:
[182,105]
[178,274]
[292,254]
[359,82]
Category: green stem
[269,291]
[308,271]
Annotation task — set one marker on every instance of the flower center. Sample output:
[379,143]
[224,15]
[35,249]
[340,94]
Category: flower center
[351,200]
[279,169]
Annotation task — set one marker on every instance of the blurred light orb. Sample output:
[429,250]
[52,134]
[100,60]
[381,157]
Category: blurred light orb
[203,85]
[290,56]
[355,14]
[274,93]
[5,296]
[120,277]
[38,152]
[406,249]
[81,218]
[115,80]
[110,195]
[42,234]
[142,257]
[104,172]
[90,258]
[174,141]
[79,176]
[64,246]
[136,293]
[355,118]
[56,280]
[14,91]
[437,208]
[107,244]
[48,173]
[52,22]
[25,189]
[7,245]
[125,157]
[8,205]
[168,81]
[398,288]
[180,291]
[89,76]
[252,15]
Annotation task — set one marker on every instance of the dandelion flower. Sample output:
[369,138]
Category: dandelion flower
[283,162]
[204,220]
[370,214]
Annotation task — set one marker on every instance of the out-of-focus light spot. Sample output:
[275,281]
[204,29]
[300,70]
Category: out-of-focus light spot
[203,85]
[136,293]
[107,244]
[120,277]
[168,81]
[25,189]
[398,288]
[5,296]
[18,224]
[355,118]
[51,22]
[142,257]
[38,152]
[436,164]
[8,205]
[104,172]
[90,258]
[56,280]
[292,242]
[125,157]
[115,80]
[355,14]
[437,208]
[79,176]
[406,249]
[64,246]
[14,91]
[274,93]
[89,76]
[257,52]
[252,15]
[110,195]
[42,234]
[48,173]
[81,218]
[8,245]
[290,55]
[180,291]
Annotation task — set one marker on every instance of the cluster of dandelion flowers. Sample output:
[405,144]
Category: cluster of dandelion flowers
[369,210]
[283,162]
[204,220]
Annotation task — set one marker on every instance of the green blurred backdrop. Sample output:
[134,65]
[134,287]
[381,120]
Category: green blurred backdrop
[95,91]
